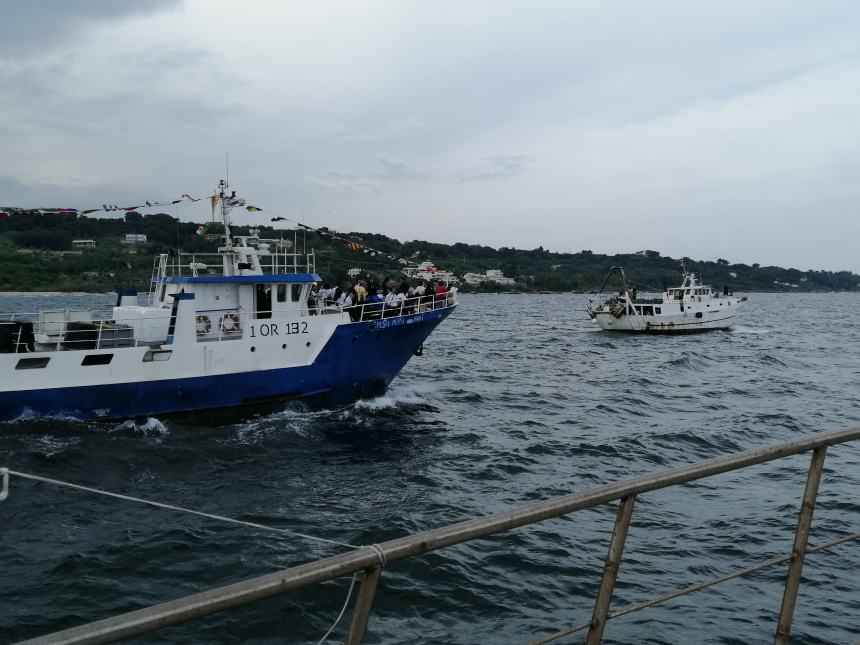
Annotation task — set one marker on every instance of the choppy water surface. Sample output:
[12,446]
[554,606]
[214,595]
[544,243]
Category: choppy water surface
[516,398]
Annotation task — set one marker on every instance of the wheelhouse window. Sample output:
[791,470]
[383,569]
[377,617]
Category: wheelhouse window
[264,301]
[296,292]
[282,292]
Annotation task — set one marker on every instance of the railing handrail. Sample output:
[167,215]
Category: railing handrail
[106,315]
[363,312]
[272,261]
[372,557]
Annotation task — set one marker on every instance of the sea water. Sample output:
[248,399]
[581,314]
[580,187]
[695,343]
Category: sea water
[517,398]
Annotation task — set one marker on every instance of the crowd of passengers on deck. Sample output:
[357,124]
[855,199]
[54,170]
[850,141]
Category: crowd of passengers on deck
[366,301]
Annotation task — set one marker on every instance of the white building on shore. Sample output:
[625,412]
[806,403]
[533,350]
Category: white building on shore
[426,271]
[494,276]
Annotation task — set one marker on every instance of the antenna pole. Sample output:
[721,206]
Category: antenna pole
[225,213]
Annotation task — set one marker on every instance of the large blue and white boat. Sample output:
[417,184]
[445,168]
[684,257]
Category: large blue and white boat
[236,328]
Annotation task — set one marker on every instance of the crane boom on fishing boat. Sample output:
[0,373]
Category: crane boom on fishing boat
[689,308]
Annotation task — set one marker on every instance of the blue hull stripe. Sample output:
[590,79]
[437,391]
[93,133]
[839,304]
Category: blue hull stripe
[359,360]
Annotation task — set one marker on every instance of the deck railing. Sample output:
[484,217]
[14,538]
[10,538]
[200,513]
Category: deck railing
[70,329]
[378,310]
[272,262]
[275,261]
[370,560]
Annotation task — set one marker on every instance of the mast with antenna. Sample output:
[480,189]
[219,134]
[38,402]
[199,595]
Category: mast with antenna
[225,212]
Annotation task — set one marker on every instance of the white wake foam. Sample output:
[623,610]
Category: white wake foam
[741,329]
[151,426]
[398,396]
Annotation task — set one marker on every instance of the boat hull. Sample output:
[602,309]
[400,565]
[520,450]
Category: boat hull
[358,360]
[663,324]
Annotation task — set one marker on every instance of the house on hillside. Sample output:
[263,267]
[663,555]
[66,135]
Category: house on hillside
[83,244]
[426,271]
[494,276]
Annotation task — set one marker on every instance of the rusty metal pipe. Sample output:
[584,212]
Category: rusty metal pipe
[798,551]
[610,571]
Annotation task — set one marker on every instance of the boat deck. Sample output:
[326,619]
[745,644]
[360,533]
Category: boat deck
[88,329]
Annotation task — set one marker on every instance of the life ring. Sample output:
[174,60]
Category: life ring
[203,325]
[229,323]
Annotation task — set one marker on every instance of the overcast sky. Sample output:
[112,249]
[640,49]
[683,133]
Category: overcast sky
[707,129]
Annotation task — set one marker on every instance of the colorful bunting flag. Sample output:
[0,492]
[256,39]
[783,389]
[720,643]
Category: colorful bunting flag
[106,208]
[323,231]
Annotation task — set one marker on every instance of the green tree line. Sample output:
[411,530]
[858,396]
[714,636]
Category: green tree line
[36,255]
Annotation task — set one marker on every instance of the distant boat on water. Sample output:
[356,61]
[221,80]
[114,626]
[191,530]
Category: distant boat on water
[689,308]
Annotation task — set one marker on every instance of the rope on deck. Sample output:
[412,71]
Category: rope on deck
[342,610]
[629,609]
[380,553]
[170,507]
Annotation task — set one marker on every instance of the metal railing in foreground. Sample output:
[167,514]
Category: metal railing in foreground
[371,560]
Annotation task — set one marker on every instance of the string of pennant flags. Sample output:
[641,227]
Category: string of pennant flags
[105,208]
[350,244]
[323,232]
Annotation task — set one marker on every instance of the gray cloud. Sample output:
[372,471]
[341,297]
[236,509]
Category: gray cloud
[393,130]
[38,25]
[497,167]
[692,129]
[396,169]
[79,194]
[347,180]
[12,191]
[172,86]
[393,170]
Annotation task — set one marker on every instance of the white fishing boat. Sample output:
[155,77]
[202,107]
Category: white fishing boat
[239,327]
[689,308]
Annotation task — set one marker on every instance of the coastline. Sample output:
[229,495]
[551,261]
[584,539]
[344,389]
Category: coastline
[37,294]
[42,294]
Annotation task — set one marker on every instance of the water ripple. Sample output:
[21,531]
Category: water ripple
[517,398]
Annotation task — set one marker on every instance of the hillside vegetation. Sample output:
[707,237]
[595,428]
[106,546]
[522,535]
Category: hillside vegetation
[36,255]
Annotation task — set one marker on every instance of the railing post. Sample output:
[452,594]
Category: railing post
[361,613]
[610,571]
[798,552]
